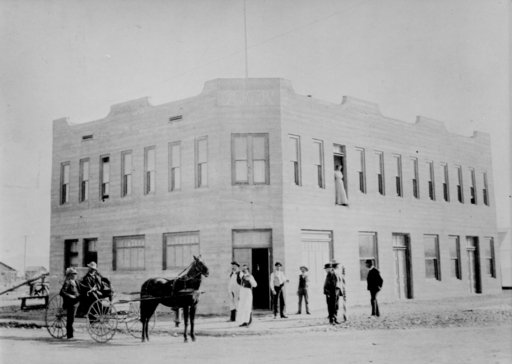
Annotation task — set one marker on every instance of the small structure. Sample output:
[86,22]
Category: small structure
[7,275]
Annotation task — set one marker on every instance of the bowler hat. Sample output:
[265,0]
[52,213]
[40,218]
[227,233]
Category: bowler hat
[334,263]
[92,265]
[304,267]
[278,264]
[235,263]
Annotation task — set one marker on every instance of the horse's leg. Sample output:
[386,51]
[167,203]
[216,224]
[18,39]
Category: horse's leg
[146,312]
[192,316]
[185,323]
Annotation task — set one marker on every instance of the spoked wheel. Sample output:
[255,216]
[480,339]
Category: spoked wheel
[133,323]
[55,317]
[102,320]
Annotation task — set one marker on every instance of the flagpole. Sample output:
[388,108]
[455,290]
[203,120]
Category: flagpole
[245,43]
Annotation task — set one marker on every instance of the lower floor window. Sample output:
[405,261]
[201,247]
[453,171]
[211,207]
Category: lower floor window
[180,248]
[129,252]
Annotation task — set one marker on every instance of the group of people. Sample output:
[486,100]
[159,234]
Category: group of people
[241,283]
[80,294]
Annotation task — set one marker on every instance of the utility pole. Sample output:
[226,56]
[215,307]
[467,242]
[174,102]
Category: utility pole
[245,42]
[25,256]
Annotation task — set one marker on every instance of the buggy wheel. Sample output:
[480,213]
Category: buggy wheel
[133,323]
[55,317]
[102,320]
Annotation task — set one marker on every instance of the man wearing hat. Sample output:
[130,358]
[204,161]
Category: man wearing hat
[331,292]
[277,282]
[69,293]
[302,291]
[91,287]
[233,289]
[374,285]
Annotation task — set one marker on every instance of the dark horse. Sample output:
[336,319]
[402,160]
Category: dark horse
[180,292]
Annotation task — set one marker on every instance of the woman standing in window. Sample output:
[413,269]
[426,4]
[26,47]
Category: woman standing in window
[341,195]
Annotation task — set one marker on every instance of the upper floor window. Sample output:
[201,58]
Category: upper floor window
[431,181]
[415,178]
[149,170]
[485,189]
[179,249]
[454,247]
[202,162]
[361,169]
[398,175]
[318,146]
[129,253]
[432,261]
[294,143]
[174,166]
[64,183]
[249,158]
[126,173]
[83,186]
[379,163]
[104,177]
[473,187]
[460,185]
[446,183]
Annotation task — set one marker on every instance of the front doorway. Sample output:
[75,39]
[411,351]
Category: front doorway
[474,266]
[253,247]
[402,263]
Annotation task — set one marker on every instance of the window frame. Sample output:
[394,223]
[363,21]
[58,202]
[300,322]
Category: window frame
[363,259]
[149,174]
[432,181]
[104,184]
[296,163]
[361,172]
[446,182]
[436,259]
[126,178]
[473,194]
[485,190]
[399,188]
[166,245]
[319,168]
[455,261]
[381,179]
[489,257]
[460,184]
[199,164]
[415,178]
[116,248]
[64,185]
[83,184]
[250,158]
[173,186]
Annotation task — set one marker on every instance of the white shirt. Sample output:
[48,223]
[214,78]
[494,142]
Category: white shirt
[277,278]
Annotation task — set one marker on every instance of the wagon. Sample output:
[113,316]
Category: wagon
[103,319]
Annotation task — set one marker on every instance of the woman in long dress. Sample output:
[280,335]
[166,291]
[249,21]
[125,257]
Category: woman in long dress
[247,283]
[341,195]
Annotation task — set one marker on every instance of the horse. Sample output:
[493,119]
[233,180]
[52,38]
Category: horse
[180,292]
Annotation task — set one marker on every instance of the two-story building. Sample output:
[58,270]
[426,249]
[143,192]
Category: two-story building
[245,171]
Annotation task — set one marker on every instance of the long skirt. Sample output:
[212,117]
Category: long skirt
[341,195]
[244,306]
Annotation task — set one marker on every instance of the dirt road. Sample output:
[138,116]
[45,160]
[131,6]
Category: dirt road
[487,344]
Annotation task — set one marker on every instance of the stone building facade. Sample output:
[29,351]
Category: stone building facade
[245,170]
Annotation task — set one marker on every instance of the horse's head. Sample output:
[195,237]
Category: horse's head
[200,266]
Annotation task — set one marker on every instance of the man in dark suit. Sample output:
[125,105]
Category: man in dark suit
[374,281]
[331,293]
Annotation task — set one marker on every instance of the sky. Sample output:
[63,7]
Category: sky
[445,59]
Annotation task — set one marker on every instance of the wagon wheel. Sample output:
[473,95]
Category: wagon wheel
[55,317]
[102,320]
[132,320]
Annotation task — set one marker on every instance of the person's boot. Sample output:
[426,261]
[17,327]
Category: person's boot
[307,310]
[233,315]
